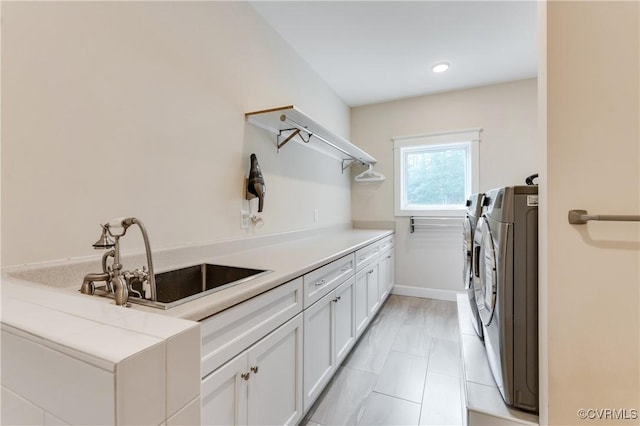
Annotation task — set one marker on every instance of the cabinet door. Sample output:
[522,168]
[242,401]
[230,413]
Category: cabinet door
[224,394]
[344,320]
[386,274]
[360,306]
[227,333]
[275,384]
[318,348]
[373,301]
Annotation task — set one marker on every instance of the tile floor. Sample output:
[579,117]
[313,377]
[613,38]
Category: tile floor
[405,370]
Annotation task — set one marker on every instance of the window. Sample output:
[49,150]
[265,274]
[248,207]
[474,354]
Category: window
[436,173]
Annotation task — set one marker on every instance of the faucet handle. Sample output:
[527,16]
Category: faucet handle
[146,282]
[140,274]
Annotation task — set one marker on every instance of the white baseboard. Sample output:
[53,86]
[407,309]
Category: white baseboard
[425,293]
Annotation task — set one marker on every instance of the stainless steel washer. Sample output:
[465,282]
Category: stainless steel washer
[474,210]
[506,291]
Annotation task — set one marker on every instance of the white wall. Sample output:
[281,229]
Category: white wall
[590,286]
[430,261]
[137,109]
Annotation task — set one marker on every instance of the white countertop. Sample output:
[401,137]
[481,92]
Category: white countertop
[288,260]
[42,302]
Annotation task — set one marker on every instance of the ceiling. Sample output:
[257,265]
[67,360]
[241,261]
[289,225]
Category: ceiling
[375,51]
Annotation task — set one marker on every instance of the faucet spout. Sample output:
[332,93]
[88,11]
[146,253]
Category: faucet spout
[120,290]
[147,249]
[88,286]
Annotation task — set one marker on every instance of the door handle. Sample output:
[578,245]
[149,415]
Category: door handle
[476,261]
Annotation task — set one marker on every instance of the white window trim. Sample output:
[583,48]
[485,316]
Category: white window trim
[440,138]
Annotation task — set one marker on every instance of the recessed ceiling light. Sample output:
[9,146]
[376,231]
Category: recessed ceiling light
[441,67]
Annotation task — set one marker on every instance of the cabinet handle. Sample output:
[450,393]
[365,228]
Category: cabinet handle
[361,258]
[344,269]
[336,299]
[389,257]
[319,283]
[255,369]
[370,272]
[245,376]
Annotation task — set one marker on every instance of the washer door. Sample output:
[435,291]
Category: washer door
[467,250]
[486,262]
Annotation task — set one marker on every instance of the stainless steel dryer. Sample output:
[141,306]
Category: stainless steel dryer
[506,290]
[474,210]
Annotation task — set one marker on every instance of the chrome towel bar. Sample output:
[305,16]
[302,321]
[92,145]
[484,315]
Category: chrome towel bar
[433,222]
[580,217]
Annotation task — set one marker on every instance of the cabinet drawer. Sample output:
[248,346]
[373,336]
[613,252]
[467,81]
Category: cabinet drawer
[385,243]
[324,279]
[366,255]
[229,332]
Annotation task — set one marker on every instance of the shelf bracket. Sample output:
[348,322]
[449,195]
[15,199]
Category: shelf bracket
[291,135]
[348,162]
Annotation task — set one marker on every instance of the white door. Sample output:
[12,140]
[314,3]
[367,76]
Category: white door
[344,320]
[275,384]
[224,394]
[590,274]
[318,348]
[360,305]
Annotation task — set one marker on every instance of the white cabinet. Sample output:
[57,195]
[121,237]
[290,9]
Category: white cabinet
[329,336]
[275,384]
[259,367]
[366,286]
[374,279]
[344,324]
[373,294]
[231,331]
[386,273]
[361,312]
[366,255]
[321,281]
[262,385]
[224,394]
[367,295]
[319,362]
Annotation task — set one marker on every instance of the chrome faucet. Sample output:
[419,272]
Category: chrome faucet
[118,282]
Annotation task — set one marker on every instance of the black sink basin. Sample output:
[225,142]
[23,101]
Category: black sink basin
[180,283]
[186,284]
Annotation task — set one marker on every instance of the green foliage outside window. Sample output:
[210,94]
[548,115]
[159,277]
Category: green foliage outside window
[436,177]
